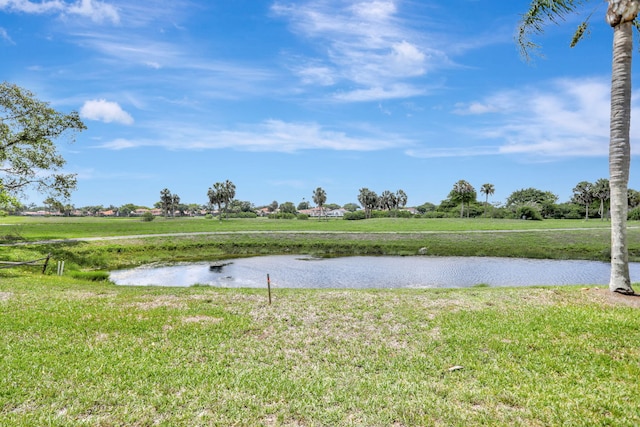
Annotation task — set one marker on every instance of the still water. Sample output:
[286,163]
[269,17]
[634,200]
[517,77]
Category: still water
[298,271]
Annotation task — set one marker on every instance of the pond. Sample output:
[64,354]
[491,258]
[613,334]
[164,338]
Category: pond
[299,271]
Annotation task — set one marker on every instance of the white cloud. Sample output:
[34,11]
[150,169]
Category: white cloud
[396,91]
[105,111]
[96,10]
[566,118]
[270,135]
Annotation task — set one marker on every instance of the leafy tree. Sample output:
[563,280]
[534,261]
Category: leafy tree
[530,195]
[462,193]
[487,190]
[601,192]
[633,198]
[351,207]
[28,155]
[304,205]
[273,206]
[583,195]
[621,16]
[288,208]
[319,198]
[368,200]
[426,207]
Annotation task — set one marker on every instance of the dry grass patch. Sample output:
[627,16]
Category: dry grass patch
[201,319]
[166,301]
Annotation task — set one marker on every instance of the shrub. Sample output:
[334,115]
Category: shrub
[528,212]
[435,214]
[303,216]
[243,215]
[282,215]
[354,215]
[208,216]
[634,214]
[148,216]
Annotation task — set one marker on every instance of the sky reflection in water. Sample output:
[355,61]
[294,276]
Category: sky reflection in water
[300,271]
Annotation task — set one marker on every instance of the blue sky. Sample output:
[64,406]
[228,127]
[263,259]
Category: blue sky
[284,96]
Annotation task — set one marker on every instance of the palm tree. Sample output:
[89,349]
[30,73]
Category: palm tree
[463,192]
[319,198]
[487,190]
[601,192]
[368,200]
[401,199]
[583,195]
[620,15]
[165,200]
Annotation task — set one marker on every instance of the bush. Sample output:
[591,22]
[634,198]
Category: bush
[634,214]
[528,212]
[243,215]
[435,214]
[208,216]
[403,214]
[148,216]
[282,215]
[354,215]
[303,216]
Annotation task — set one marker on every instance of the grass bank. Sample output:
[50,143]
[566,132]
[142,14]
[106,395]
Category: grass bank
[135,242]
[77,353]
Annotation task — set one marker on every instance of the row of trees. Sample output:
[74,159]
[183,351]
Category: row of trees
[370,200]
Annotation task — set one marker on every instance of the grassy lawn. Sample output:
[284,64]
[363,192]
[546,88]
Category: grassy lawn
[64,228]
[77,353]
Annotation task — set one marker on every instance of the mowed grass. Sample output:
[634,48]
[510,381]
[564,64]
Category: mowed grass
[74,353]
[42,228]
[132,242]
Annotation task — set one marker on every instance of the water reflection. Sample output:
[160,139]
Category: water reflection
[290,271]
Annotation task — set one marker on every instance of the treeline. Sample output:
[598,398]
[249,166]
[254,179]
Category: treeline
[589,200]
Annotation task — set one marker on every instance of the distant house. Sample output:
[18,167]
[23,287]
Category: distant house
[335,213]
[263,212]
[313,212]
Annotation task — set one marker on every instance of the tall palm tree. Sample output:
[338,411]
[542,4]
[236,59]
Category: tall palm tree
[487,190]
[601,192]
[620,15]
[319,198]
[583,195]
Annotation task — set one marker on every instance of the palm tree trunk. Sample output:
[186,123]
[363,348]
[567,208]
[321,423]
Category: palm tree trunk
[619,155]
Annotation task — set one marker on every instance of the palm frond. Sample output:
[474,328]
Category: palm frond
[540,14]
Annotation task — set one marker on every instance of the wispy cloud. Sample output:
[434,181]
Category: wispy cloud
[566,118]
[95,10]
[364,43]
[270,135]
[5,36]
[105,111]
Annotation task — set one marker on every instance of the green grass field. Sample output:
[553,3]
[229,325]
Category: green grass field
[77,352]
[64,228]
